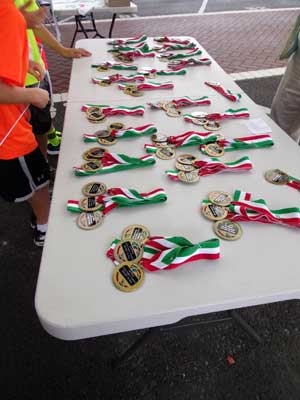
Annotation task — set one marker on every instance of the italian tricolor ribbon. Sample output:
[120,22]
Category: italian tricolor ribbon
[113,162]
[243,208]
[294,183]
[150,86]
[133,40]
[187,101]
[192,138]
[175,46]
[142,51]
[150,148]
[115,65]
[235,97]
[244,143]
[122,197]
[191,62]
[210,166]
[194,52]
[139,131]
[161,72]
[169,252]
[118,110]
[167,39]
[119,78]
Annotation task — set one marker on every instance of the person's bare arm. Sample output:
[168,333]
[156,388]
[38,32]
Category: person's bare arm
[18,95]
[34,19]
[47,38]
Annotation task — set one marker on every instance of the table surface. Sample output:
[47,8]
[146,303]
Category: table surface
[64,7]
[75,296]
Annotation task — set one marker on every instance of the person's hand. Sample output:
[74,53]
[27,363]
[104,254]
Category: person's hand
[69,52]
[34,19]
[38,97]
[36,70]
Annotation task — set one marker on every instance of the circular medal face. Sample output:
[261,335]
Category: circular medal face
[105,83]
[89,204]
[188,177]
[220,198]
[214,150]
[94,189]
[199,114]
[109,140]
[95,113]
[162,144]
[159,138]
[95,153]
[227,229]
[164,105]
[116,126]
[136,93]
[102,133]
[277,177]
[138,233]
[199,121]
[214,212]
[102,68]
[165,153]
[128,250]
[92,166]
[150,75]
[90,220]
[173,112]
[184,167]
[187,159]
[128,276]
[212,126]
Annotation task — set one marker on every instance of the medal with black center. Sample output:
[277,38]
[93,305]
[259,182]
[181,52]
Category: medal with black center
[214,149]
[212,126]
[92,166]
[96,153]
[102,133]
[227,230]
[277,177]
[115,126]
[107,141]
[139,233]
[90,220]
[128,250]
[187,159]
[94,189]
[128,277]
[220,198]
[214,212]
[184,167]
[188,177]
[165,153]
[89,204]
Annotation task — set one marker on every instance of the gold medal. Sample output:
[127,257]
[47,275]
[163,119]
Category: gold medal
[92,166]
[173,112]
[138,233]
[214,212]
[128,276]
[109,140]
[212,126]
[199,121]
[104,83]
[184,167]
[150,75]
[95,153]
[188,177]
[90,220]
[128,250]
[102,68]
[227,229]
[165,153]
[159,138]
[95,114]
[102,133]
[213,149]
[220,198]
[94,189]
[187,159]
[277,177]
[115,126]
[89,204]
[136,93]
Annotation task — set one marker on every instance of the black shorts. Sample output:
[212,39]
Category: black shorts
[21,177]
[41,118]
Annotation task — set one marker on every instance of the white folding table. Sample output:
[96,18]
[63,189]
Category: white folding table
[76,8]
[75,296]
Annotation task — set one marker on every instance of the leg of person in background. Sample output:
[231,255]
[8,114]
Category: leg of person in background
[285,109]
[40,204]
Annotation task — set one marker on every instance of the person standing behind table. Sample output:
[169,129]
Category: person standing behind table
[47,136]
[24,172]
[285,110]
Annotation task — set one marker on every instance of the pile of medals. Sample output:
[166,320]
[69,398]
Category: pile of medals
[105,137]
[129,274]
[95,115]
[165,151]
[199,118]
[216,210]
[169,107]
[132,90]
[91,217]
[188,173]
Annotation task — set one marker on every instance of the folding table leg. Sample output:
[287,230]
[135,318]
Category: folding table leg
[236,316]
[134,347]
[112,25]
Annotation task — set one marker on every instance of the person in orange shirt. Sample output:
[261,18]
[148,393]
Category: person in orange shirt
[24,172]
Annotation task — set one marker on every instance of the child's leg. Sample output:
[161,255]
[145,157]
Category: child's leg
[40,203]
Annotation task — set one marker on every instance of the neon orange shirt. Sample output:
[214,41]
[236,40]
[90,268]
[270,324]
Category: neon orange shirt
[13,68]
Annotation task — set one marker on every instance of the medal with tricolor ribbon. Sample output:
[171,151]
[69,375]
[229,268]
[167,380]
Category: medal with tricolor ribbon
[122,197]
[118,78]
[139,131]
[176,65]
[160,72]
[175,46]
[196,118]
[118,110]
[113,162]
[167,39]
[106,65]
[235,97]
[170,252]
[173,56]
[133,40]
[243,143]
[150,86]
[185,101]
[142,51]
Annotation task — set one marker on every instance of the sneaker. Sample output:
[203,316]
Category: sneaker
[33,221]
[53,144]
[39,238]
[58,133]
